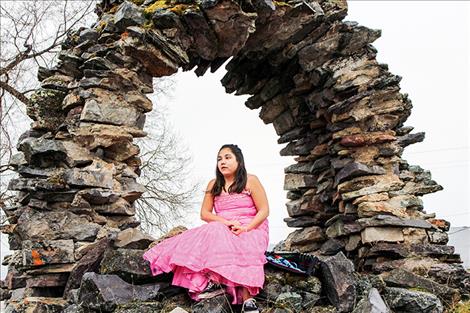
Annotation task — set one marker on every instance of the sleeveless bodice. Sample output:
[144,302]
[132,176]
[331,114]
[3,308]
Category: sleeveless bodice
[237,206]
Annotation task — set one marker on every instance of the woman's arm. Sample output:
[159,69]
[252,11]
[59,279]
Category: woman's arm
[261,202]
[208,205]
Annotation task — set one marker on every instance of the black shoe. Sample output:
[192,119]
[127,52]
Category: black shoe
[211,291]
[249,306]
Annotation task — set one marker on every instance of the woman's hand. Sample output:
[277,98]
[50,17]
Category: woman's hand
[238,229]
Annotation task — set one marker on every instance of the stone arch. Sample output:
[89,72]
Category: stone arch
[315,78]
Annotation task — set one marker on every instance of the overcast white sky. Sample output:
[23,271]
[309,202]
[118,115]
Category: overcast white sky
[425,42]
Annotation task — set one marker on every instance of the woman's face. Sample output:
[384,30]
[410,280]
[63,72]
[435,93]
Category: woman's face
[227,162]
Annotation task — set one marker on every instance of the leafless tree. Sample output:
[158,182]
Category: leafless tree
[31,35]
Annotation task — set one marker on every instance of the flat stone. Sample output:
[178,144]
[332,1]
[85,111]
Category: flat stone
[47,280]
[121,151]
[127,264]
[355,169]
[387,234]
[130,189]
[370,209]
[120,207]
[47,252]
[337,278]
[415,235]
[108,112]
[407,301]
[296,181]
[53,183]
[156,62]
[101,135]
[106,292]
[366,185]
[97,174]
[340,228]
[97,195]
[389,220]
[53,225]
[304,239]
[133,238]
[42,152]
[405,279]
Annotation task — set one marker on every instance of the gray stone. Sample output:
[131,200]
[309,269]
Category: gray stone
[303,237]
[106,292]
[356,169]
[133,238]
[372,303]
[42,152]
[405,279]
[290,300]
[127,264]
[120,207]
[337,277]
[111,113]
[97,174]
[407,301]
[388,220]
[128,14]
[53,225]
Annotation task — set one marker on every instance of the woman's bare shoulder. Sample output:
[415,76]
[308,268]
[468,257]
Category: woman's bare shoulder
[211,183]
[252,180]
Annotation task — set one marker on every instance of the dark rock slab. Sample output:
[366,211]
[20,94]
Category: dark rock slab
[106,292]
[88,263]
[338,281]
[129,265]
[389,220]
[47,280]
[356,169]
[128,14]
[407,301]
[405,279]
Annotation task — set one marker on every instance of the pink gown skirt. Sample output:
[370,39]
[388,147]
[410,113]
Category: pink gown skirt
[213,252]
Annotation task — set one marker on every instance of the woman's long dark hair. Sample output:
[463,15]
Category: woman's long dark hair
[240,175]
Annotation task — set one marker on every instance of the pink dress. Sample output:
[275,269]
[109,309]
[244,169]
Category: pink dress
[212,251]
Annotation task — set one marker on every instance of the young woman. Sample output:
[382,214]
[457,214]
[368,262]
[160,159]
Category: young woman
[229,250]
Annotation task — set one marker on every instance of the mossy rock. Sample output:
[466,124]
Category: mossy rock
[139,307]
[45,106]
[462,307]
